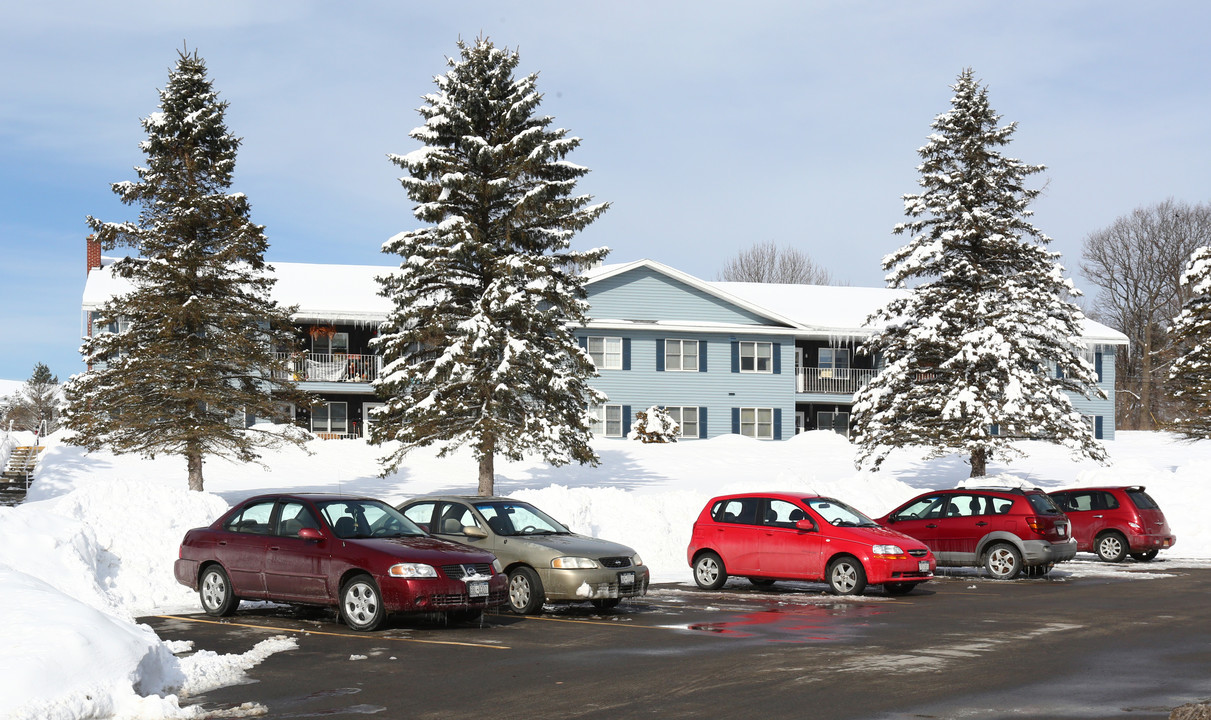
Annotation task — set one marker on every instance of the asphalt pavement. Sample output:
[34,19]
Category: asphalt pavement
[1133,643]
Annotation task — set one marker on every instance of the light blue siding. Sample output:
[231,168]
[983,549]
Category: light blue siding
[1098,407]
[646,295]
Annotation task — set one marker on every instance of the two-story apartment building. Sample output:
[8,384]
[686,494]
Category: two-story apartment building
[761,360]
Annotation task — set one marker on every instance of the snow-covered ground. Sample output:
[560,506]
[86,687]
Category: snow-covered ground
[92,548]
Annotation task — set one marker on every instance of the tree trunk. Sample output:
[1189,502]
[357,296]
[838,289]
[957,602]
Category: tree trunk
[487,475]
[1145,413]
[979,462]
[193,459]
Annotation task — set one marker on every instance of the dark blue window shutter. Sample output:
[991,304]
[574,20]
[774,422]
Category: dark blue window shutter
[1059,371]
[1097,427]
[777,420]
[583,342]
[659,354]
[702,357]
[735,421]
[777,358]
[1097,365]
[626,353]
[702,423]
[735,356]
[626,420]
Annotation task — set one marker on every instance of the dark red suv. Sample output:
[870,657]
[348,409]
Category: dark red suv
[794,536]
[1115,522]
[1007,530]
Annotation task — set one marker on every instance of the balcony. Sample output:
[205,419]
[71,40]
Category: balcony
[831,381]
[339,367]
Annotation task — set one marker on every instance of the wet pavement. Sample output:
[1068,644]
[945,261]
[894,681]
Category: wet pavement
[1080,644]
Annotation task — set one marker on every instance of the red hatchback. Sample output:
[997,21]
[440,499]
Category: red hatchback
[1115,522]
[356,553]
[792,536]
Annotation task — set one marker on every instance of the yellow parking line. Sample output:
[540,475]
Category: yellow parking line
[363,636]
[597,622]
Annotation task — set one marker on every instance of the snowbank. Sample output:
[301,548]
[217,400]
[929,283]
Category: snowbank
[93,546]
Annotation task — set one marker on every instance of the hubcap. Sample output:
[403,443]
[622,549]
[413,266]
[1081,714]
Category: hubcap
[1111,546]
[214,590]
[844,577]
[361,604]
[519,591]
[1001,563]
[708,571]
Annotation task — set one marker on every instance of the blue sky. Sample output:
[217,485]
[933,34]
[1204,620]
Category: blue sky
[708,125]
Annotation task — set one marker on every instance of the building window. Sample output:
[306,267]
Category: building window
[606,352]
[838,422]
[337,344]
[686,418]
[757,423]
[330,417]
[756,357]
[681,355]
[606,420]
[834,363]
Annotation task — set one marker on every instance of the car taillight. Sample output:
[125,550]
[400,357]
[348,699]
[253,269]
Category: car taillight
[1035,524]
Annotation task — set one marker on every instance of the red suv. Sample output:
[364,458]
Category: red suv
[1007,530]
[1115,522]
[791,536]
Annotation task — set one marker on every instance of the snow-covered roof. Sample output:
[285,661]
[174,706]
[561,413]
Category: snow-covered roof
[327,292]
[321,291]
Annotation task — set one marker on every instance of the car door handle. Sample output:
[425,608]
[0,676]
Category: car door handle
[981,524]
[931,526]
[222,542]
[274,547]
[1098,516]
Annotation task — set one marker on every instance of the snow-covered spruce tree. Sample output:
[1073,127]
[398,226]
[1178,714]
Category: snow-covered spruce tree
[197,331]
[479,349]
[655,425]
[1191,331]
[972,351]
[37,402]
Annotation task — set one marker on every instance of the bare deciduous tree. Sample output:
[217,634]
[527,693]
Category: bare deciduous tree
[767,263]
[1137,264]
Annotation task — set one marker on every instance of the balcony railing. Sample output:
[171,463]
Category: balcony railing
[338,367]
[832,381]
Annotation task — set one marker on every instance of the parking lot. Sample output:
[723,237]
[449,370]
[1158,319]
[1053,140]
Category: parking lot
[1091,641]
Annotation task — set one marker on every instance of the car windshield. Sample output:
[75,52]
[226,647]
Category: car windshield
[838,513]
[366,519]
[1043,504]
[518,518]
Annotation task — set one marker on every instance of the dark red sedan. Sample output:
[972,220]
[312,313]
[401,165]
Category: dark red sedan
[359,554]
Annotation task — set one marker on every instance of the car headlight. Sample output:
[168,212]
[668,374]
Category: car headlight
[412,570]
[887,550]
[497,567]
[636,559]
[574,563]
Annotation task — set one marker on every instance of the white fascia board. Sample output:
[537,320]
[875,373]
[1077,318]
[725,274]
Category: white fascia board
[689,327]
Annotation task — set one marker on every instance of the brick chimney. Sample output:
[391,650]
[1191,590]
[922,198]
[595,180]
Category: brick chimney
[93,253]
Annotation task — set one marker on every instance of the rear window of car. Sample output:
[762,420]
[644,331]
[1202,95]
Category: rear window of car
[1042,503]
[1142,500]
[736,510]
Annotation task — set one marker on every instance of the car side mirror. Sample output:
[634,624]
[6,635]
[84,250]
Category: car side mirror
[310,534]
[473,531]
[892,519]
[805,525]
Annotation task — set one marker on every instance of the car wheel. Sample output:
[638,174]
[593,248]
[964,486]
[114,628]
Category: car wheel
[1146,556]
[709,572]
[214,590]
[361,603]
[606,603]
[846,577]
[1003,561]
[525,591]
[1111,547]
[898,588]
[762,582]
[470,615]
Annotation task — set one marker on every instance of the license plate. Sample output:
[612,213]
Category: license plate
[923,566]
[627,578]
[477,588]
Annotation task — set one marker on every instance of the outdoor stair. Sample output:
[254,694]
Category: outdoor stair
[21,464]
